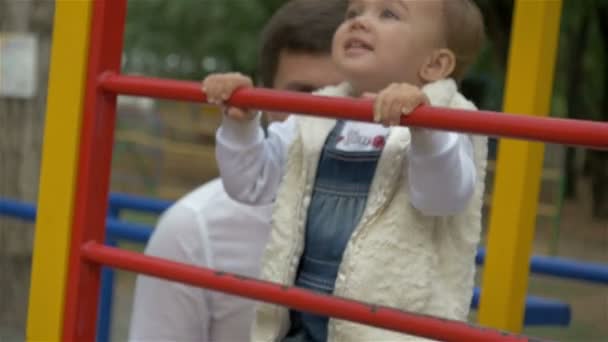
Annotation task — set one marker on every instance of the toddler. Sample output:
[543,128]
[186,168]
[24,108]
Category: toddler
[375,212]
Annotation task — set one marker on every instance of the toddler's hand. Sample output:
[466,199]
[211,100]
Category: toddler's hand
[219,88]
[396,100]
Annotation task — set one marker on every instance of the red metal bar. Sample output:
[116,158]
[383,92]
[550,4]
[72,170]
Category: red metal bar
[551,130]
[413,324]
[91,198]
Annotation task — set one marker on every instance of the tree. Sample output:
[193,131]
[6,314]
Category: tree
[599,159]
[581,82]
[190,38]
[578,30]
[21,122]
[582,85]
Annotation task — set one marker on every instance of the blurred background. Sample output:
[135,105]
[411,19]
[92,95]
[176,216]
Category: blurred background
[164,149]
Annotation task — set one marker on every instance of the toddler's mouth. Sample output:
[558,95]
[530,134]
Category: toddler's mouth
[356,44]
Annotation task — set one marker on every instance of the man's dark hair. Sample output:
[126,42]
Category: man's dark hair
[300,26]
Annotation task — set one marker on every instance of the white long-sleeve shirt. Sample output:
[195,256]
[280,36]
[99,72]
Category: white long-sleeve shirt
[205,228]
[440,164]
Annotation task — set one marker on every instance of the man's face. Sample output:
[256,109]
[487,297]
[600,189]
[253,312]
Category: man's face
[300,71]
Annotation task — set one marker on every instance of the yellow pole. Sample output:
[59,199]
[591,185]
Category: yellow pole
[58,173]
[519,166]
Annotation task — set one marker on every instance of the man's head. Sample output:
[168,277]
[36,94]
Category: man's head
[295,51]
[414,41]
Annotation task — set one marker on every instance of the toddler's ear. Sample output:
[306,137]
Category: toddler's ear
[439,65]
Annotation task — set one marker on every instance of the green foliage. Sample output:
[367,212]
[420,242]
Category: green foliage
[580,80]
[189,38]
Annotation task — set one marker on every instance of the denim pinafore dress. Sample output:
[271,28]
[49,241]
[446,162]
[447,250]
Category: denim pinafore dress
[338,201]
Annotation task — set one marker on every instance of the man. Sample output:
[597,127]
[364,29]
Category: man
[206,228]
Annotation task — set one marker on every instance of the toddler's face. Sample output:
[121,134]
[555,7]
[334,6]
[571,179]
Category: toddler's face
[385,41]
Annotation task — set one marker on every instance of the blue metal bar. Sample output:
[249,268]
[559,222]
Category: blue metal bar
[558,267]
[106,300]
[562,268]
[116,229]
[138,203]
[106,296]
[120,230]
[21,210]
[539,311]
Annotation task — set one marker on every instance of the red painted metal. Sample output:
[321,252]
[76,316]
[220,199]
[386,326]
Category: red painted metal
[551,130]
[91,198]
[392,319]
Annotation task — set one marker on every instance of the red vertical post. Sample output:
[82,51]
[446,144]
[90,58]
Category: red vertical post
[94,165]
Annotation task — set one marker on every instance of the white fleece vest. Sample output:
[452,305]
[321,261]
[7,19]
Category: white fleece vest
[396,256]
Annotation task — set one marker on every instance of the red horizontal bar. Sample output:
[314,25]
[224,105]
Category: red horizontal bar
[550,130]
[392,319]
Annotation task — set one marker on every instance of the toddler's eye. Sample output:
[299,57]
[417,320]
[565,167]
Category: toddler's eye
[389,14]
[352,13]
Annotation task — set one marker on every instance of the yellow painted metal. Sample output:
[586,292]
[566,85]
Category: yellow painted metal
[528,90]
[59,167]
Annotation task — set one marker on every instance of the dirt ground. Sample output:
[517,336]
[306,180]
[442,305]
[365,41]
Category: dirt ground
[581,238]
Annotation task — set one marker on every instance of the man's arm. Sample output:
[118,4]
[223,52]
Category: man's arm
[170,311]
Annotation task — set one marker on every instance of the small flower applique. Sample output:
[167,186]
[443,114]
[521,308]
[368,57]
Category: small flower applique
[378,141]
